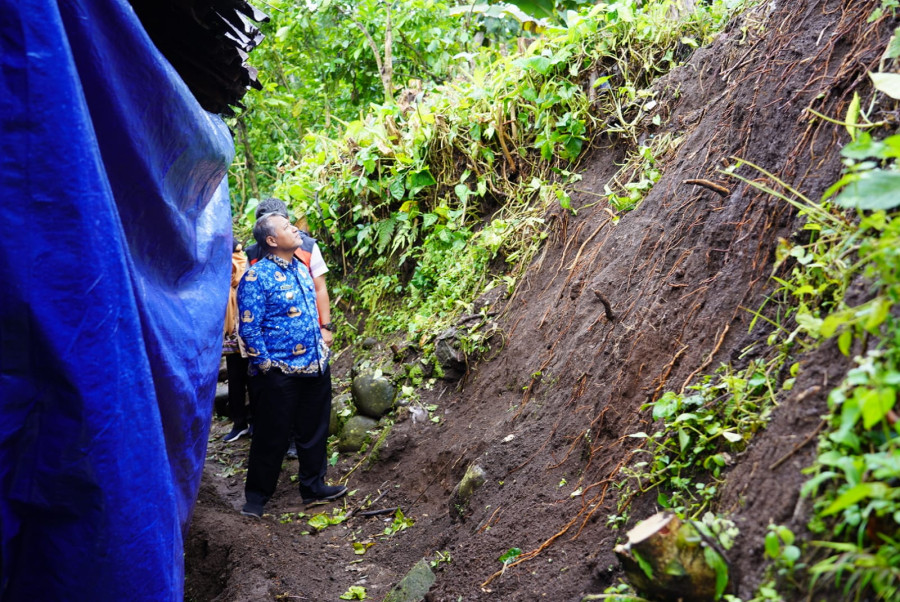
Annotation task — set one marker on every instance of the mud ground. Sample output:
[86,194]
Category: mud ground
[548,416]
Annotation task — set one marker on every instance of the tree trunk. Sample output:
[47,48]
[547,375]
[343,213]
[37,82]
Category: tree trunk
[249,162]
[667,560]
[387,65]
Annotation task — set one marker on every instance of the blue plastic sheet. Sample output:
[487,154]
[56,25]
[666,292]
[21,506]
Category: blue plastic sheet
[115,260]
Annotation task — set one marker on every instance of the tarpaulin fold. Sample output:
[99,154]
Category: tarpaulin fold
[115,260]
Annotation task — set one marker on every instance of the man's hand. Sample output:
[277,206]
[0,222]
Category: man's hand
[326,335]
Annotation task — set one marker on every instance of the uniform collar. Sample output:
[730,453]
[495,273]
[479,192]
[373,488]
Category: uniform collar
[279,261]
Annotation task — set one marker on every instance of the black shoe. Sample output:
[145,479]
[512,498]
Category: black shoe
[325,493]
[236,433]
[251,509]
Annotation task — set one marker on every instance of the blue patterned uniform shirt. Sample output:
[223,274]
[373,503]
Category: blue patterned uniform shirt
[279,321]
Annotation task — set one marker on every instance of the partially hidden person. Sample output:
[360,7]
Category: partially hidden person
[236,361]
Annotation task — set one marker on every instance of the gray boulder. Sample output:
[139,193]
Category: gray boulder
[339,414]
[450,357]
[373,395]
[414,586]
[355,433]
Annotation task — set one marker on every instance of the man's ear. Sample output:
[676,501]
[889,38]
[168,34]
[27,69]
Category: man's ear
[271,242]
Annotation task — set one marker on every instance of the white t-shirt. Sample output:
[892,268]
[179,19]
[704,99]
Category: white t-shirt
[317,265]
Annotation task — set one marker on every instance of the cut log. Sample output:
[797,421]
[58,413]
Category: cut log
[668,560]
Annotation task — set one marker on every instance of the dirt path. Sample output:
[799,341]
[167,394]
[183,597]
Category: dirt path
[548,418]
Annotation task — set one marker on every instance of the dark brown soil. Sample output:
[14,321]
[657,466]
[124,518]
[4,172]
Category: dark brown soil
[549,414]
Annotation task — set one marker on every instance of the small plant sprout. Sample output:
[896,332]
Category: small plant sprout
[440,557]
[400,523]
[779,546]
[355,592]
[508,557]
[360,547]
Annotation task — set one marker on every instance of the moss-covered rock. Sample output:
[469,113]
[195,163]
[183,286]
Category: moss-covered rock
[341,410]
[450,357]
[462,493]
[414,586]
[355,433]
[373,395]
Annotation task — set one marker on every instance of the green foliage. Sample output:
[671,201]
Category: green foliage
[439,558]
[859,569]
[887,7]
[510,555]
[355,592]
[288,517]
[854,481]
[639,173]
[400,523]
[779,546]
[323,520]
[620,592]
[865,186]
[432,202]
[318,71]
[700,432]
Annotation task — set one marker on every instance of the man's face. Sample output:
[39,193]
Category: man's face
[287,237]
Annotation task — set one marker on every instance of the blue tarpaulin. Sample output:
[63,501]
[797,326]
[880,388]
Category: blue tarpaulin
[115,260]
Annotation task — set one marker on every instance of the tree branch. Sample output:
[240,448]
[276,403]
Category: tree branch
[370,41]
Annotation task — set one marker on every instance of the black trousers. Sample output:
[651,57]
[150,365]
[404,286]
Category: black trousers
[238,389]
[286,403]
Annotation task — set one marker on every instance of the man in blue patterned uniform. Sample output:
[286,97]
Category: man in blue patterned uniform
[279,326]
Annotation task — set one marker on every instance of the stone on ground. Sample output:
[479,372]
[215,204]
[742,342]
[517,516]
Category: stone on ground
[449,355]
[462,493]
[414,586]
[355,433]
[338,406]
[373,395]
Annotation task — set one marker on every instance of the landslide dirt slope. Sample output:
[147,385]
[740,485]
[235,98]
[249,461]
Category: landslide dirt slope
[677,272]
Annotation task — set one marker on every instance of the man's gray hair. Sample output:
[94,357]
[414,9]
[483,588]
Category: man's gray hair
[272,205]
[264,228]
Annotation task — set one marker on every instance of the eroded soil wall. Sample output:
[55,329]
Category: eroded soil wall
[551,413]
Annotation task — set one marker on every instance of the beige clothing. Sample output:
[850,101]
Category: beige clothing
[238,267]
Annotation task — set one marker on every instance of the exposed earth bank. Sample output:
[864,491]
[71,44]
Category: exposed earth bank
[548,416]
